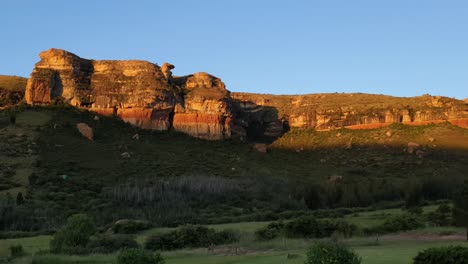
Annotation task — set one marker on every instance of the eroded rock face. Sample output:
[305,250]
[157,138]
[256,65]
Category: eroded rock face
[355,111]
[140,92]
[206,108]
[149,96]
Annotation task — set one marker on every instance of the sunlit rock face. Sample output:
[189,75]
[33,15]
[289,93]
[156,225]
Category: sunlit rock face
[149,96]
[140,92]
[206,109]
[354,111]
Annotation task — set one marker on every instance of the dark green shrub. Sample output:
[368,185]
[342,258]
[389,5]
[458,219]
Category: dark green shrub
[331,253]
[169,241]
[74,235]
[16,251]
[442,216]
[269,232]
[306,226]
[139,256]
[225,237]
[109,244]
[190,236]
[309,227]
[130,226]
[442,255]
[396,224]
[346,229]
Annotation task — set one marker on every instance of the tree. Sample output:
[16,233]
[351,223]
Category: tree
[460,208]
[19,199]
[74,234]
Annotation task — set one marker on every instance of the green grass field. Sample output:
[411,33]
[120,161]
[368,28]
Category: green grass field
[387,252]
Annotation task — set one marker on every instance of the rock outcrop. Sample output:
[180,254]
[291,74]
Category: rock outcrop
[206,109]
[149,96]
[140,92]
[354,111]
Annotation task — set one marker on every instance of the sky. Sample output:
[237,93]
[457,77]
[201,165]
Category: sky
[394,47]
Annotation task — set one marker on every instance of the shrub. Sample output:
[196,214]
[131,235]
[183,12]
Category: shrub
[269,232]
[190,236]
[346,229]
[442,216]
[109,244]
[306,227]
[309,227]
[74,235]
[16,251]
[225,237]
[396,224]
[130,226]
[442,255]
[331,253]
[139,256]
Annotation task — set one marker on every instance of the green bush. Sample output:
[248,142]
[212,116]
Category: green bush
[396,224]
[442,216]
[191,237]
[309,227]
[442,255]
[327,252]
[74,236]
[130,226]
[109,244]
[16,251]
[225,237]
[306,227]
[139,256]
[269,232]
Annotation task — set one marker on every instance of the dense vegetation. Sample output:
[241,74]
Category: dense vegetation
[443,255]
[191,237]
[170,179]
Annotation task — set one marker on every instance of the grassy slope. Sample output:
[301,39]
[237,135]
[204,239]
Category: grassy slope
[369,161]
[13,83]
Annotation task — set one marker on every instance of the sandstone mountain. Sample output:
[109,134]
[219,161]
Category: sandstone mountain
[148,96]
[140,92]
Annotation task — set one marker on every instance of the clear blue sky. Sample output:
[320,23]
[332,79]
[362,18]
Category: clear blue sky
[396,47]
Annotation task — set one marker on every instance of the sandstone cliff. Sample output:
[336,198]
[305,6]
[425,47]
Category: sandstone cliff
[355,111]
[199,104]
[139,92]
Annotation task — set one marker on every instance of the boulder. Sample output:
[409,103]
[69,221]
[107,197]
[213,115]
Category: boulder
[85,130]
[260,147]
[412,147]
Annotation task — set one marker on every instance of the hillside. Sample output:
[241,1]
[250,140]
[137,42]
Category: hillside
[11,89]
[170,178]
